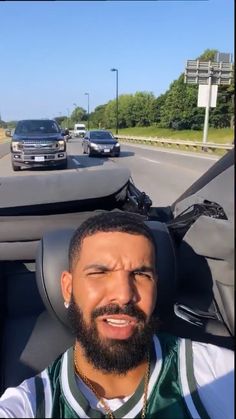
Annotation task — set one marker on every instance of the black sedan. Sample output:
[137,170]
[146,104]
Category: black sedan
[100,142]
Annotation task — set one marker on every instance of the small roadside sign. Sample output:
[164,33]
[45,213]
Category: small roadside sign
[203,95]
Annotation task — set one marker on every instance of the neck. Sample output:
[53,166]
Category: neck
[109,385]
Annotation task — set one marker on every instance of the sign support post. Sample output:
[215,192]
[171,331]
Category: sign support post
[207,109]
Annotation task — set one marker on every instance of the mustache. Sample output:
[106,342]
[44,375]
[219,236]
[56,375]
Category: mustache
[129,309]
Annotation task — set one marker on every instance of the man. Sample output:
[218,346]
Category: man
[120,365]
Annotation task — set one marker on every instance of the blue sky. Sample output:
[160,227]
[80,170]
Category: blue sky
[52,52]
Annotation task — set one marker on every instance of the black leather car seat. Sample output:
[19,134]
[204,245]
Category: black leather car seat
[52,259]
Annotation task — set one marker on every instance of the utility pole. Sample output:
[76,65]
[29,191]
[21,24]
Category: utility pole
[87,94]
[117,108]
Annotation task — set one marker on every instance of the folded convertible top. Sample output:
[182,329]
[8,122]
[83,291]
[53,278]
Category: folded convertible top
[21,194]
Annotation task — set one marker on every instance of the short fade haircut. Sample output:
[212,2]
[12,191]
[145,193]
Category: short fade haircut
[123,222]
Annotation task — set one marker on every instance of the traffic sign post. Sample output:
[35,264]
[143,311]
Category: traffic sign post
[206,119]
[210,73]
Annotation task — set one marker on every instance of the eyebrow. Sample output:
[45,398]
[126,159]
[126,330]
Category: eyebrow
[104,268]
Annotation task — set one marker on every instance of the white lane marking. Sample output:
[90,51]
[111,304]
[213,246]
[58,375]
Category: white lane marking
[76,161]
[169,164]
[187,154]
[152,161]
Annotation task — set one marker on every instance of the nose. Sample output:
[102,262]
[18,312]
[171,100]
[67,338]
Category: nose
[123,290]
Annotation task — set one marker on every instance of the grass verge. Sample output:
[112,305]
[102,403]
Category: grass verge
[217,136]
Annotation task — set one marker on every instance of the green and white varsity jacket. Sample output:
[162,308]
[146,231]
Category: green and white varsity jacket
[172,389]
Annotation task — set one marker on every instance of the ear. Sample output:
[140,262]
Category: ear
[66,285]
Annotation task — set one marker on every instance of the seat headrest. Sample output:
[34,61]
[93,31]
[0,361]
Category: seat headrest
[52,259]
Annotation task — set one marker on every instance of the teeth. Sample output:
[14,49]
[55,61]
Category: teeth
[118,322]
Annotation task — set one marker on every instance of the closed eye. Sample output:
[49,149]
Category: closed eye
[148,275]
[96,273]
[96,270]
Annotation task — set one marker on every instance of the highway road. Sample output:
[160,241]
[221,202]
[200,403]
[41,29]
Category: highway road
[163,174]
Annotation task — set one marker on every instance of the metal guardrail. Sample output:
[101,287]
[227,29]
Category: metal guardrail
[189,145]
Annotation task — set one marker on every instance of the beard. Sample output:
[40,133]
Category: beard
[113,355]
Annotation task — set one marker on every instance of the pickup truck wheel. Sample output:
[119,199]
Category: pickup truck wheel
[90,152]
[15,168]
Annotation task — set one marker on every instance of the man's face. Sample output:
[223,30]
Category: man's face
[112,289]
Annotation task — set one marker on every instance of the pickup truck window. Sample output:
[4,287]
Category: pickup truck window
[37,127]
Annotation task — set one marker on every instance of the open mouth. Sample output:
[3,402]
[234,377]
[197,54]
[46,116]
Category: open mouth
[118,322]
[117,326]
[118,319]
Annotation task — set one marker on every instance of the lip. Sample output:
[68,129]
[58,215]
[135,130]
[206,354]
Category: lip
[110,331]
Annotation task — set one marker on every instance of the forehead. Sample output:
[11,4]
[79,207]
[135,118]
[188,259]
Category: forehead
[116,244]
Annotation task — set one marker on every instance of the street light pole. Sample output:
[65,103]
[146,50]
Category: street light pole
[68,112]
[117,108]
[87,94]
[74,112]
